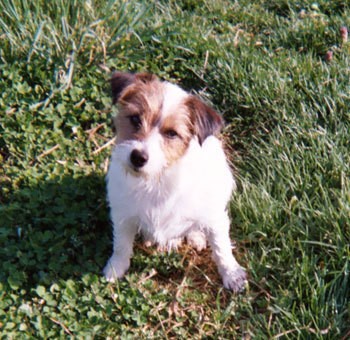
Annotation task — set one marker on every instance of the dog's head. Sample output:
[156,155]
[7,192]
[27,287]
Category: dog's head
[157,121]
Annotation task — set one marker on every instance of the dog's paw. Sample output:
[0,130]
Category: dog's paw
[115,269]
[148,243]
[170,245]
[197,240]
[148,240]
[235,280]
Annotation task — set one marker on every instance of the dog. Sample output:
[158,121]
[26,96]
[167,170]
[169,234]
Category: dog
[168,177]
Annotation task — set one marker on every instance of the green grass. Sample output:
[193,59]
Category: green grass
[262,65]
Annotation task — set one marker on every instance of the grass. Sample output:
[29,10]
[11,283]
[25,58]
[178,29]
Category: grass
[262,65]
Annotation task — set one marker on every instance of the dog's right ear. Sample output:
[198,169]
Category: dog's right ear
[119,81]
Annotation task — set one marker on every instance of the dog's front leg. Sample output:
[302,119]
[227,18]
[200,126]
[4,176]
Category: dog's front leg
[233,275]
[123,239]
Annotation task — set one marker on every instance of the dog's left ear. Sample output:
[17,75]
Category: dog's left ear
[205,120]
[119,81]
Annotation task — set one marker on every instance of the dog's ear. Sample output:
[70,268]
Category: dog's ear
[205,120]
[119,81]
[145,77]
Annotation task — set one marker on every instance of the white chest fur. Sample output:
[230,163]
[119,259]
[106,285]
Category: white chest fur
[166,206]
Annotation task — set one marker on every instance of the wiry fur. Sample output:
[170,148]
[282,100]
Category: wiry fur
[168,177]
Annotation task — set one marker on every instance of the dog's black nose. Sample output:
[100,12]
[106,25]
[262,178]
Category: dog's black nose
[138,158]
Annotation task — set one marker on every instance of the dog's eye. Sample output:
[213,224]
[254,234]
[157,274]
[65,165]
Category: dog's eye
[135,121]
[171,134]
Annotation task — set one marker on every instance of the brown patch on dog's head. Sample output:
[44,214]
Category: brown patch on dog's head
[176,130]
[139,97]
[121,80]
[148,105]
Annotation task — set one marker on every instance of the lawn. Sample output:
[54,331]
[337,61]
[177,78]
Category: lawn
[278,71]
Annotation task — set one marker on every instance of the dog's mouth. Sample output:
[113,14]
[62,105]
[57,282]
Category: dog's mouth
[141,173]
[134,171]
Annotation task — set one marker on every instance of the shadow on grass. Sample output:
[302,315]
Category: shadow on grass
[58,229]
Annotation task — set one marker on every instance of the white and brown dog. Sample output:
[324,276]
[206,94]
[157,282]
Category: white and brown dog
[168,176]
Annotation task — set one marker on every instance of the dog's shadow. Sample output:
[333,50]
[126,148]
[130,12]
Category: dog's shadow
[57,229]
[60,229]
